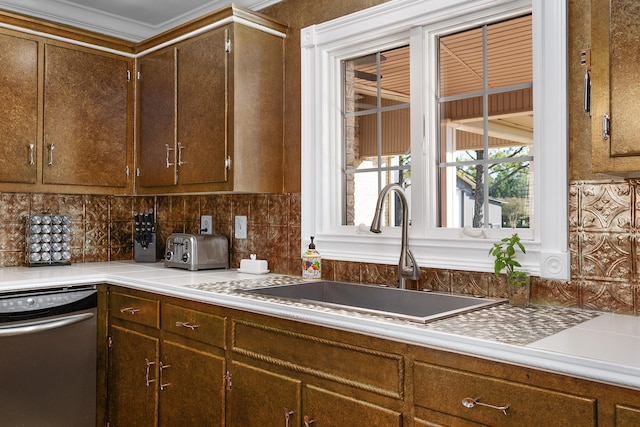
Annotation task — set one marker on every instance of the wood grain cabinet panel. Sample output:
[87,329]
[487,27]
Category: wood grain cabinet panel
[18,109]
[203,73]
[357,366]
[262,398]
[615,30]
[157,88]
[85,118]
[328,409]
[191,386]
[166,377]
[183,109]
[133,375]
[442,390]
[195,325]
[145,311]
[627,416]
[211,111]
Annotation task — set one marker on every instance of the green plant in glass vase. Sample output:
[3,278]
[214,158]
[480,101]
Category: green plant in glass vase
[518,282]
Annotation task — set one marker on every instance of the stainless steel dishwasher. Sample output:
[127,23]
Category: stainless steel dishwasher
[48,358]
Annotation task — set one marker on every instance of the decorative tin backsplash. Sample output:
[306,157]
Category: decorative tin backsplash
[48,239]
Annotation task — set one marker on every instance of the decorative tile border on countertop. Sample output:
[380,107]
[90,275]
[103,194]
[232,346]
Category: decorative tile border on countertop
[513,325]
[503,323]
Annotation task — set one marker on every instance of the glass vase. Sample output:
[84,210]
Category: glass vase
[519,288]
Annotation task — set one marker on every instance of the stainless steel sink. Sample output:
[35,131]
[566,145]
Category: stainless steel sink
[412,305]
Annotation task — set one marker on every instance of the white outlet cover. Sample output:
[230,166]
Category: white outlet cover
[241,227]
[206,224]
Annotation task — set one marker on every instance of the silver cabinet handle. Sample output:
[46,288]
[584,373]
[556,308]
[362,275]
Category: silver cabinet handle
[187,325]
[587,92]
[149,363]
[227,381]
[308,421]
[468,402]
[31,158]
[606,123]
[51,147]
[169,149]
[287,417]
[129,310]
[180,147]
[43,325]
[162,368]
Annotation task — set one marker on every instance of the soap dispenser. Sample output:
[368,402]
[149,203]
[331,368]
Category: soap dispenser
[311,263]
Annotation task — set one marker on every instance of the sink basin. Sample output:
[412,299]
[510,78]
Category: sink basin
[411,305]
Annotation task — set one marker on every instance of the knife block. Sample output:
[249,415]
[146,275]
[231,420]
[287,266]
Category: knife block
[148,253]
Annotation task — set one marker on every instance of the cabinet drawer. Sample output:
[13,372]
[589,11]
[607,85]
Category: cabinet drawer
[443,389]
[194,324]
[370,369]
[135,309]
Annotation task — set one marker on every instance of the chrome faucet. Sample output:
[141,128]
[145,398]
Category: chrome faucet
[407,266]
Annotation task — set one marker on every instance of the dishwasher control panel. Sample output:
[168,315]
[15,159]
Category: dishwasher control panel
[42,300]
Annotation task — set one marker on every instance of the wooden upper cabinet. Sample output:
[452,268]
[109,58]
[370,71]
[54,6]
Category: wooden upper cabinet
[19,109]
[615,89]
[202,108]
[183,105]
[225,133]
[85,138]
[183,109]
[157,130]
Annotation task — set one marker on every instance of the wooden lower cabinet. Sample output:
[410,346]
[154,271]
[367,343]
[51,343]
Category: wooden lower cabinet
[263,398]
[167,373]
[324,408]
[260,398]
[450,394]
[133,371]
[627,416]
[191,387]
[291,374]
[174,362]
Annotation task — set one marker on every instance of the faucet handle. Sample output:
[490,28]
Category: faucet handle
[411,271]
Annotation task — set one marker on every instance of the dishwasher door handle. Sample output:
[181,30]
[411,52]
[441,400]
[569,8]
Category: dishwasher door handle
[43,325]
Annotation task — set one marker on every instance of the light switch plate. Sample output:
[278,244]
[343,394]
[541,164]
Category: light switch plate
[241,227]
[206,224]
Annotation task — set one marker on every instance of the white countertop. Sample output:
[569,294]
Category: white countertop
[606,348]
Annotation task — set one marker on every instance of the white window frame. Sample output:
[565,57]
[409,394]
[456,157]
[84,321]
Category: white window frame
[391,24]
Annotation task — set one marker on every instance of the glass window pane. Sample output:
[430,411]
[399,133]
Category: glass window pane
[461,204]
[511,186]
[376,129]
[461,63]
[509,52]
[486,141]
[462,129]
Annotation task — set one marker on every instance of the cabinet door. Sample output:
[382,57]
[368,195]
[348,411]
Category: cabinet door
[19,109]
[157,159]
[261,398]
[191,387]
[328,409]
[85,118]
[202,108]
[133,374]
[615,89]
[627,416]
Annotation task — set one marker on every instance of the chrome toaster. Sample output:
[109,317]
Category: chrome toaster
[197,251]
